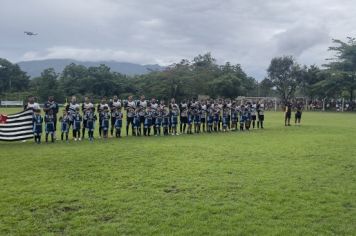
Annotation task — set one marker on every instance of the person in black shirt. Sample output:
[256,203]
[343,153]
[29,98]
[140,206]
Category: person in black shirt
[49,125]
[298,114]
[52,107]
[288,114]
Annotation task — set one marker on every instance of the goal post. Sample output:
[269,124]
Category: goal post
[271,103]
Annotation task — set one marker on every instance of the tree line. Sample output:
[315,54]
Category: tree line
[188,79]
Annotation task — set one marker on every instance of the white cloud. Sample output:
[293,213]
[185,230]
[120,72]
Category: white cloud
[88,54]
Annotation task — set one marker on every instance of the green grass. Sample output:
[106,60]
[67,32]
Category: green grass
[277,181]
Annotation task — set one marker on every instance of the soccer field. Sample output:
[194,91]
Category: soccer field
[276,181]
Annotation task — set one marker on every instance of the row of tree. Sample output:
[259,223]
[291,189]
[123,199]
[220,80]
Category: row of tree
[337,79]
[187,79]
[202,76]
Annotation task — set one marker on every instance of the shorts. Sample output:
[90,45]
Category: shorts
[37,129]
[210,120]
[197,120]
[118,124]
[183,119]
[105,124]
[142,120]
[50,127]
[148,123]
[298,115]
[225,121]
[113,120]
[129,120]
[76,125]
[90,125]
[216,119]
[174,121]
[165,122]
[158,122]
[85,123]
[136,122]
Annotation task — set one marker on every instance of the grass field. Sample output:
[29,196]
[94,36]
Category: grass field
[277,181]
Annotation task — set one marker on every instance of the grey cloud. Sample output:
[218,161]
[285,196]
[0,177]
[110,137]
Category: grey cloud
[249,32]
[295,41]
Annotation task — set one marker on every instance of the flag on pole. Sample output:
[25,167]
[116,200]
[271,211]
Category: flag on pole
[17,126]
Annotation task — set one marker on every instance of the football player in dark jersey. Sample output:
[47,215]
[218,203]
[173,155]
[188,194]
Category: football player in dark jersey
[104,121]
[49,125]
[288,114]
[77,120]
[65,121]
[52,106]
[90,118]
[87,106]
[298,114]
[37,121]
[100,109]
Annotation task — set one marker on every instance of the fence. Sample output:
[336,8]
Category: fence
[11,103]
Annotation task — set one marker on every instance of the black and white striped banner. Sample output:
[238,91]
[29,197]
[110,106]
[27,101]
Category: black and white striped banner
[17,126]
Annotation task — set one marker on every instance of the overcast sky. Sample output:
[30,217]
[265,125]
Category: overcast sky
[248,32]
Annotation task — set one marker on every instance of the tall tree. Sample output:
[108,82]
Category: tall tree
[285,75]
[46,85]
[12,78]
[343,65]
[73,80]
[265,88]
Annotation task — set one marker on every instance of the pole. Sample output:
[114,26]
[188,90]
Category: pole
[324,104]
[343,102]
[275,104]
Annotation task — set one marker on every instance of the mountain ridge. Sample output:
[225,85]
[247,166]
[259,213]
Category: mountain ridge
[34,67]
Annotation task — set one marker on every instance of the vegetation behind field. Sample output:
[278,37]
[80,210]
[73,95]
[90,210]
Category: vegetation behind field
[187,79]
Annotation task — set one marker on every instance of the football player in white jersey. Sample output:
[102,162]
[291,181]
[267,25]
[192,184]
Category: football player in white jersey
[172,105]
[253,114]
[130,107]
[220,108]
[261,115]
[203,117]
[229,106]
[174,118]
[141,105]
[71,109]
[154,108]
[114,105]
[101,108]
[31,104]
[183,107]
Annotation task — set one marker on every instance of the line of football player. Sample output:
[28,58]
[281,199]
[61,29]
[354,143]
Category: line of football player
[145,117]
